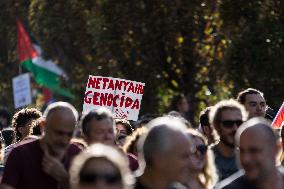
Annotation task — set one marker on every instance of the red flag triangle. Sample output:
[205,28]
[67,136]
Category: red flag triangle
[25,48]
[278,120]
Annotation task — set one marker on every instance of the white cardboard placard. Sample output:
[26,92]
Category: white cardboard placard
[22,90]
[122,97]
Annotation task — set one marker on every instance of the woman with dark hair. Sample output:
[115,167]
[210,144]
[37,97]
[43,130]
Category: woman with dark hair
[179,105]
[123,129]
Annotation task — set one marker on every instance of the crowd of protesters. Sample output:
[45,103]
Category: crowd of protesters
[234,146]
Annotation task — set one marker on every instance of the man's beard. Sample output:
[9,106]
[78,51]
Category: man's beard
[228,144]
[57,151]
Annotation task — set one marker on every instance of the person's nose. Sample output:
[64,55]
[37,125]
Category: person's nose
[258,107]
[100,184]
[235,127]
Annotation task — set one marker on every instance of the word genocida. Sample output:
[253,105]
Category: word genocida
[110,98]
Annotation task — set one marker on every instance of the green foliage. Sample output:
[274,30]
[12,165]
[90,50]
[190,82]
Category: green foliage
[255,55]
[208,50]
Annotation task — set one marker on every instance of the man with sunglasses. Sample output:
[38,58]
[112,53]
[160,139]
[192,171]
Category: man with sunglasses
[257,149]
[226,116]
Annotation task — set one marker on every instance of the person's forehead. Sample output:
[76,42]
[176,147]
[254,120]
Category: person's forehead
[253,137]
[231,114]
[179,139]
[101,124]
[61,113]
[99,164]
[254,98]
[61,118]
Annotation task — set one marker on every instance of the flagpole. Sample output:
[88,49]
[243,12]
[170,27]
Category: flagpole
[20,69]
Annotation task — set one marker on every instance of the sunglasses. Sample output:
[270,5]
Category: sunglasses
[231,123]
[92,178]
[202,149]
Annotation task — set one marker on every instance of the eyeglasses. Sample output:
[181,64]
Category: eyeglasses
[92,178]
[202,149]
[231,123]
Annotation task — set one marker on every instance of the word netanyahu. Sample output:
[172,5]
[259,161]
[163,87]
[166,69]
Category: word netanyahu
[110,83]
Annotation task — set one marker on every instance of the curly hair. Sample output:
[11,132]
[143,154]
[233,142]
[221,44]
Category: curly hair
[130,145]
[24,117]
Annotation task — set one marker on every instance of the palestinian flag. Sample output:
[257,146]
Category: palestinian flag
[45,73]
[278,120]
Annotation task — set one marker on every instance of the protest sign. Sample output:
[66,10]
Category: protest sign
[22,90]
[122,97]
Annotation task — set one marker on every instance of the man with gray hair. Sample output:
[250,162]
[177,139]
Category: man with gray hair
[257,150]
[44,163]
[98,127]
[165,150]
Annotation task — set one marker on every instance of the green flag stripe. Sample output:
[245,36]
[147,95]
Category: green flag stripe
[46,78]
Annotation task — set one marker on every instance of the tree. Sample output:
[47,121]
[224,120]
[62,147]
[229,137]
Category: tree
[206,50]
[255,54]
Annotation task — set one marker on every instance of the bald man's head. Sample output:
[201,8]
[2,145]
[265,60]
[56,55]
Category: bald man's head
[257,146]
[259,126]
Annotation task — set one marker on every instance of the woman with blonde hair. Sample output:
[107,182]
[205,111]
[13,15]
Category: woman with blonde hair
[130,145]
[100,166]
[202,171]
